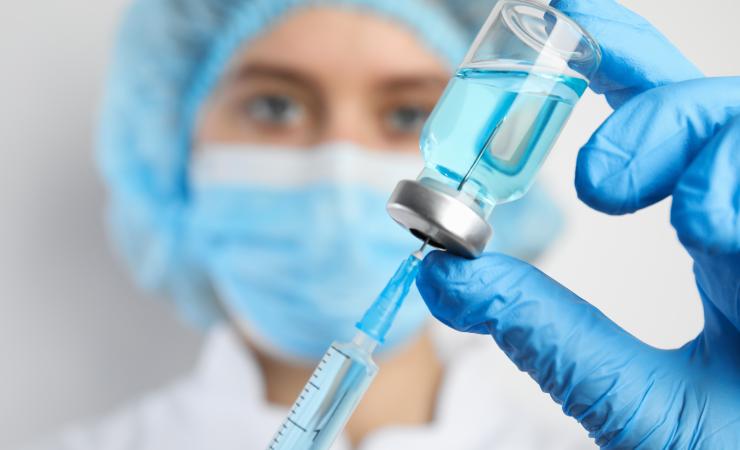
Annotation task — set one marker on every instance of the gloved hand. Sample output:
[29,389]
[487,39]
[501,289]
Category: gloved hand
[673,133]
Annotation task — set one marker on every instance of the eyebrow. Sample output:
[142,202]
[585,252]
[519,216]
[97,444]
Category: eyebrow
[391,84]
[261,70]
[411,82]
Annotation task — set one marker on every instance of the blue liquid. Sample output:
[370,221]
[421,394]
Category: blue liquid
[502,124]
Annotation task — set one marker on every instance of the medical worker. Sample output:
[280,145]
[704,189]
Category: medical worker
[249,147]
[673,133]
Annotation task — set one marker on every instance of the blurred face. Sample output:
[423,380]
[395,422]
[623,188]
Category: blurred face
[324,75]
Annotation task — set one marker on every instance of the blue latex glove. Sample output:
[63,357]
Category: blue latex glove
[670,135]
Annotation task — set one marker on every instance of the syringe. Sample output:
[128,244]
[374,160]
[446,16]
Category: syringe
[346,370]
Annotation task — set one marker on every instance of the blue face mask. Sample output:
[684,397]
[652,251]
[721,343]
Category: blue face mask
[297,243]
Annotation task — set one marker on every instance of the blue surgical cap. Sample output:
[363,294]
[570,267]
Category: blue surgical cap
[168,57]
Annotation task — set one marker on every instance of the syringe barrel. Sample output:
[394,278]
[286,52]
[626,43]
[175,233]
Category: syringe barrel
[330,397]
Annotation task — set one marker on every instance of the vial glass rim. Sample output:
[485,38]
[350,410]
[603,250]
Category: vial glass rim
[505,8]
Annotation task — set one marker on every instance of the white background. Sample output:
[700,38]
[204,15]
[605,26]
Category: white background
[76,338]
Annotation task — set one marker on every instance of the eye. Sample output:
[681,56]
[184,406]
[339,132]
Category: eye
[274,110]
[407,119]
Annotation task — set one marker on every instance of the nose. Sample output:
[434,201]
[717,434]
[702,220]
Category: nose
[348,121]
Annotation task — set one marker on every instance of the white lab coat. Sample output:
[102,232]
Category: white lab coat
[484,403]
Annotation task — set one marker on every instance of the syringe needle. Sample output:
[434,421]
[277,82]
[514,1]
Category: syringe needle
[419,254]
[480,154]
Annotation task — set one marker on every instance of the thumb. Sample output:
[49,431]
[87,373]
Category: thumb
[587,363]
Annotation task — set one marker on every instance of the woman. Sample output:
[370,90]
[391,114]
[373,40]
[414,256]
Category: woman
[249,147]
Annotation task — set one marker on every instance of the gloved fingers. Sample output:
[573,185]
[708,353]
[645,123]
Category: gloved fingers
[706,216]
[635,56]
[706,201]
[640,152]
[569,347]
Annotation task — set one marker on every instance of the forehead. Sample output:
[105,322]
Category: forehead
[344,43]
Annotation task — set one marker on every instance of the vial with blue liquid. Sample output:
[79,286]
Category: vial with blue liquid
[495,124]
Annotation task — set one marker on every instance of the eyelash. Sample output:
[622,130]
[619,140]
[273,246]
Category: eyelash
[269,105]
[422,114]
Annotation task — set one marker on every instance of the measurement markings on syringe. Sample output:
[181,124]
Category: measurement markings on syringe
[301,413]
[294,423]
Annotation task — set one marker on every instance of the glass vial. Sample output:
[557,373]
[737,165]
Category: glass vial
[495,124]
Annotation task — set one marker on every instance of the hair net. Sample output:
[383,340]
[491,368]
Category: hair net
[168,56]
